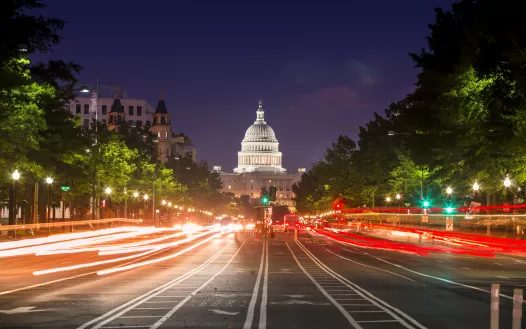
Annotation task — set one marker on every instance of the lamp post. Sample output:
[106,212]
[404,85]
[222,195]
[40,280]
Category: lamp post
[49,181]
[135,195]
[95,108]
[12,208]
[107,190]
[145,198]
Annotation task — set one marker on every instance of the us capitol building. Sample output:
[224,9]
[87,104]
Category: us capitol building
[260,165]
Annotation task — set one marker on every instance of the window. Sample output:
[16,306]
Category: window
[130,110]
[104,109]
[139,111]
[77,109]
[158,134]
[86,123]
[139,122]
[86,108]
[148,123]
[163,120]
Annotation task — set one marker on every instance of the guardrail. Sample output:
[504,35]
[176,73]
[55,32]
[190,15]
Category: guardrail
[67,224]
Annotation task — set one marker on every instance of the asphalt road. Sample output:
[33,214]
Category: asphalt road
[224,282]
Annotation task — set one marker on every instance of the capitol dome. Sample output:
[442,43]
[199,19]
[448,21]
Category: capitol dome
[260,148]
[260,132]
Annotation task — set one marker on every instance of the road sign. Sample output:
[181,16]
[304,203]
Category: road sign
[64,188]
[449,224]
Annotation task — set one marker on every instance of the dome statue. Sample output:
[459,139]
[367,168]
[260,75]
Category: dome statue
[260,148]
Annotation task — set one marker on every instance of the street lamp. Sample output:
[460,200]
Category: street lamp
[449,190]
[49,181]
[108,190]
[507,181]
[476,186]
[135,194]
[163,202]
[12,210]
[388,199]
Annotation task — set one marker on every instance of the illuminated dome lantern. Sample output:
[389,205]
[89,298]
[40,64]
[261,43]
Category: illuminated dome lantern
[260,148]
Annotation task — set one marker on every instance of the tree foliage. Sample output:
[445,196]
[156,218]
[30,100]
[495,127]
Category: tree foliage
[465,121]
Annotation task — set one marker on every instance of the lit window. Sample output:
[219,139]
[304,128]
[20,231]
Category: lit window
[158,134]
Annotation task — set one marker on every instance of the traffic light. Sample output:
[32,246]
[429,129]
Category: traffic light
[264,197]
[272,193]
[426,203]
[449,210]
[338,205]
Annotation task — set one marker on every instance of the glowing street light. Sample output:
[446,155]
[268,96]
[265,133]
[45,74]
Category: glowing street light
[163,202]
[476,186]
[16,175]
[169,204]
[449,190]
[388,199]
[398,196]
[145,197]
[108,190]
[507,181]
[49,180]
[135,194]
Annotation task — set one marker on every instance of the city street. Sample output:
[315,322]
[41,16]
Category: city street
[214,279]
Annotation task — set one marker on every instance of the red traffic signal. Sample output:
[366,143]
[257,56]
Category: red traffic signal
[338,205]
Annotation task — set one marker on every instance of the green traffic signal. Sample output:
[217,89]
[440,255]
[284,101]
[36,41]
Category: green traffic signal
[426,203]
[264,200]
[449,210]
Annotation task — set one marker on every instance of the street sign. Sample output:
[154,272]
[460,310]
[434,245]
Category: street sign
[449,224]
[64,188]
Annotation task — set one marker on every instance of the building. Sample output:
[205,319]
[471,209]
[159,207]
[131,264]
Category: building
[259,165]
[118,111]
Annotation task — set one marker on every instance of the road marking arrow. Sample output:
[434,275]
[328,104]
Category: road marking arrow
[24,309]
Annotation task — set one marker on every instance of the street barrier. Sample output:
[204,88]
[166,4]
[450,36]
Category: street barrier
[517,308]
[494,308]
[494,316]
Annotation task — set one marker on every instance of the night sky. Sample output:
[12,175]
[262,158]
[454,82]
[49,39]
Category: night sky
[321,68]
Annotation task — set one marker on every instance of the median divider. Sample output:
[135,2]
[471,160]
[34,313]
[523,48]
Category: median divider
[68,223]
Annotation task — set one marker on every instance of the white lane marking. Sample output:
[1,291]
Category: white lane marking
[320,288]
[139,317]
[497,263]
[502,277]
[373,321]
[264,295]
[362,292]
[23,309]
[299,302]
[441,279]
[377,268]
[439,261]
[252,305]
[224,312]
[466,268]
[157,290]
[181,303]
